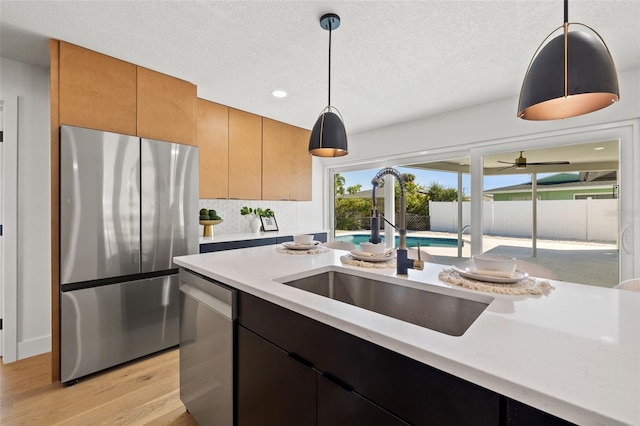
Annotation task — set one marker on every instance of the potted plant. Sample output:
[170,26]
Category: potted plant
[255,214]
[208,218]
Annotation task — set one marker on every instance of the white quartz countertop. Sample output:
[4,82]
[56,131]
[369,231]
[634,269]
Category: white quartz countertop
[243,236]
[574,353]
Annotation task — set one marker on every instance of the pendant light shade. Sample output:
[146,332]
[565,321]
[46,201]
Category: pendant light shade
[328,136]
[572,75]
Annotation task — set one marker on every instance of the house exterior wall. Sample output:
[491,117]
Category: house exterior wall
[550,195]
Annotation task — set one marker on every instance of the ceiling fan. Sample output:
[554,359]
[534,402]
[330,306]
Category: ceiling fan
[521,163]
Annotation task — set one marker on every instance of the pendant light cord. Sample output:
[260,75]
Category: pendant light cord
[330,28]
[566,48]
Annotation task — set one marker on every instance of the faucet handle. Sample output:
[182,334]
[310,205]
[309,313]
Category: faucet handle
[418,265]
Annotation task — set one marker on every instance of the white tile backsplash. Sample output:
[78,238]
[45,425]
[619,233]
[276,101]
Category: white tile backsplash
[288,214]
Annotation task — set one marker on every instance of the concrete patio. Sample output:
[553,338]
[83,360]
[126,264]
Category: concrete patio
[575,261]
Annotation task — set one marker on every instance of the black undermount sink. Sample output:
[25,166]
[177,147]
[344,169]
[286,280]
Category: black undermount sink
[444,313]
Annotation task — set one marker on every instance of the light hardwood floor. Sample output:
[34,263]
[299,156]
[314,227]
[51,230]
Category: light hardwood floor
[143,392]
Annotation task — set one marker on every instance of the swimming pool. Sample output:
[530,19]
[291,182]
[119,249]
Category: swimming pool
[411,241]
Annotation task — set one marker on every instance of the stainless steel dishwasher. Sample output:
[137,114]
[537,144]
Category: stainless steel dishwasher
[207,313]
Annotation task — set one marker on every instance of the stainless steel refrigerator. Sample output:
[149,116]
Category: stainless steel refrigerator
[128,205]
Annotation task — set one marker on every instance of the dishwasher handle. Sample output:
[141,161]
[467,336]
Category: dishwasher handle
[212,302]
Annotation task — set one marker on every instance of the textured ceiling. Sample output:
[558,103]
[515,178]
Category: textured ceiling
[392,61]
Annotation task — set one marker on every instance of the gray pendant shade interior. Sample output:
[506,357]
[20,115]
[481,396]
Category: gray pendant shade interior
[328,136]
[574,74]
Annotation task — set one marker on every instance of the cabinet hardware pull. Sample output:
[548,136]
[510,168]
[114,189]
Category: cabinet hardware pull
[300,359]
[333,379]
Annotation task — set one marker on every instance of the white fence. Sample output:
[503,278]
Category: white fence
[578,220]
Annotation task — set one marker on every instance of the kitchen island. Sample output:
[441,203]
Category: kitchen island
[574,353]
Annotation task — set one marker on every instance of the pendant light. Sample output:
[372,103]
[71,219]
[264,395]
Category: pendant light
[328,136]
[573,74]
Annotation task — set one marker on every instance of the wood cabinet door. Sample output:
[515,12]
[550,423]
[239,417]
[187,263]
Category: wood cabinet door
[96,91]
[245,155]
[212,137]
[300,183]
[286,163]
[276,160]
[166,107]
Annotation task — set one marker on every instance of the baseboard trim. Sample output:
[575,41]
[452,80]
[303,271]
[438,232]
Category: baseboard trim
[32,347]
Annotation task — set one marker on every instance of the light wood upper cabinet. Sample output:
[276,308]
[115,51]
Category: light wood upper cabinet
[286,163]
[212,136]
[245,155]
[96,91]
[300,185]
[276,160]
[166,107]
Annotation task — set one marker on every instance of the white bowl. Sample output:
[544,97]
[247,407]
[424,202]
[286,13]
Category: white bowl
[372,248]
[303,239]
[488,262]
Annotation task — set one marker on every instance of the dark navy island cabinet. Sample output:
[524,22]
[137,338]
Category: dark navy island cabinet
[266,241]
[294,370]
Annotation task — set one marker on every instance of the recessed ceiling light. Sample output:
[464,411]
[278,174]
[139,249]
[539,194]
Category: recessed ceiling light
[279,94]
[600,148]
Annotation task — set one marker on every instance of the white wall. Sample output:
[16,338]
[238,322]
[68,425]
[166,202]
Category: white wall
[31,85]
[3,196]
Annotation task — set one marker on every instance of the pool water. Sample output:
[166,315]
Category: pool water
[411,241]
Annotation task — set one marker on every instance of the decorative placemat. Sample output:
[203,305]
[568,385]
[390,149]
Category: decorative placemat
[315,250]
[348,260]
[524,286]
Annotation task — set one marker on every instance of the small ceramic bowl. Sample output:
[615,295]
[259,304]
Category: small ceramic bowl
[489,262]
[303,239]
[372,248]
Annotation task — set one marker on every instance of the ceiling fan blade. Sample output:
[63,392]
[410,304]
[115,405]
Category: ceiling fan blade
[505,168]
[505,162]
[548,163]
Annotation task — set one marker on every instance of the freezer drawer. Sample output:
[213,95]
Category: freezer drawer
[108,325]
[206,349]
